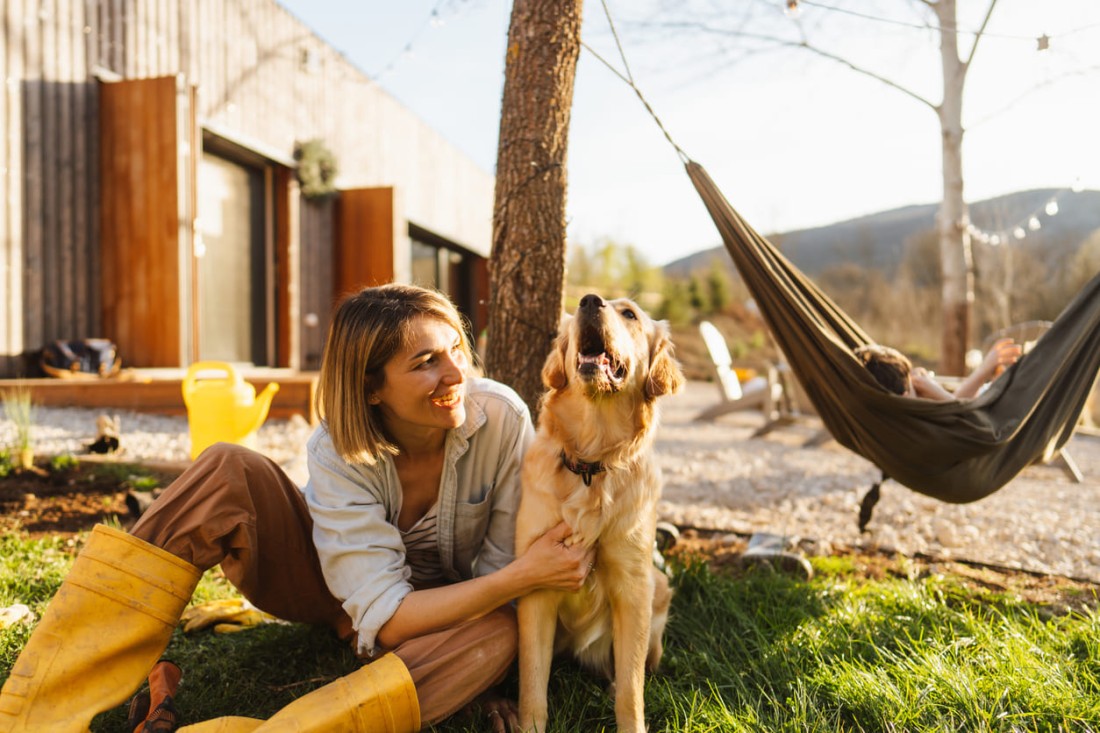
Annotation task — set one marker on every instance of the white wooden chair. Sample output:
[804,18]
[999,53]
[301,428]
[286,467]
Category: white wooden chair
[763,392]
[774,392]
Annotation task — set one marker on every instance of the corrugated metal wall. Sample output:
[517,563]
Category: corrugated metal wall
[264,80]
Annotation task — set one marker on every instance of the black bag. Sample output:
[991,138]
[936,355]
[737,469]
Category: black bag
[81,359]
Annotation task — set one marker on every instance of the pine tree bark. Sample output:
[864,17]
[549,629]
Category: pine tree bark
[527,265]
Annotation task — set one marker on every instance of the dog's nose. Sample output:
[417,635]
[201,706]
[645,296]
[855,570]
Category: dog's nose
[591,302]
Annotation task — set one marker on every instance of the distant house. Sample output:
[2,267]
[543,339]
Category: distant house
[149,191]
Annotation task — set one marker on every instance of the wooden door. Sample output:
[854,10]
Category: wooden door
[146,143]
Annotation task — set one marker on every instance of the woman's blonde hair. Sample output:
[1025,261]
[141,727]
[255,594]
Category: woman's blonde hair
[367,330]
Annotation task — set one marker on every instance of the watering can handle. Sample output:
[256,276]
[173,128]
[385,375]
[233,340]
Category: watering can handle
[213,366]
[193,372]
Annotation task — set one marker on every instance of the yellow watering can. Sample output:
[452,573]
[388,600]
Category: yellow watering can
[221,406]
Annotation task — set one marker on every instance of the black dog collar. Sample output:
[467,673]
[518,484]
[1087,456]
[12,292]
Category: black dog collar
[584,469]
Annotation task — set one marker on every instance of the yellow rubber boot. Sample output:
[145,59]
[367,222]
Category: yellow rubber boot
[100,635]
[377,698]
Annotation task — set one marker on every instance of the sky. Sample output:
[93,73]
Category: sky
[793,140]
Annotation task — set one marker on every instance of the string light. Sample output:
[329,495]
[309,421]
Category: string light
[434,20]
[792,10]
[1031,222]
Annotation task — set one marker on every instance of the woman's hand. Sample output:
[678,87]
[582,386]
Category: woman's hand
[553,564]
[503,714]
[1004,354]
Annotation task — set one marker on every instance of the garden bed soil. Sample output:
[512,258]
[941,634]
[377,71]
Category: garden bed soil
[46,501]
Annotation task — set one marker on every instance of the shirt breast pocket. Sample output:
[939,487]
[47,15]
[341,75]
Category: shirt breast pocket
[471,526]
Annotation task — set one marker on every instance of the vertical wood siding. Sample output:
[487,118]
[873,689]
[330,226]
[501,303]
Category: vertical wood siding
[261,76]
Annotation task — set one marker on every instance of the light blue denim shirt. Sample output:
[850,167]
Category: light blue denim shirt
[355,507]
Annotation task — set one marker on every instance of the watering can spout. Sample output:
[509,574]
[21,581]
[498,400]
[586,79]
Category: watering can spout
[249,420]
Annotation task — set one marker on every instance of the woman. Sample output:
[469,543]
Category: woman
[893,370]
[401,541]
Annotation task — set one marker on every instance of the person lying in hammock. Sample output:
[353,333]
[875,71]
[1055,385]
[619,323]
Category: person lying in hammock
[893,370]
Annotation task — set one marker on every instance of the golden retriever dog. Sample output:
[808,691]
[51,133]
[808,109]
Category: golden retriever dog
[590,465]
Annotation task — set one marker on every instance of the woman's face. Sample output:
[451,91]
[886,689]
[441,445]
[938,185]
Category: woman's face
[425,383]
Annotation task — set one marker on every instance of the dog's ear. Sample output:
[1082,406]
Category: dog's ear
[665,376]
[553,371]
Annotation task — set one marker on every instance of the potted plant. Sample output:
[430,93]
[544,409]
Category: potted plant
[19,409]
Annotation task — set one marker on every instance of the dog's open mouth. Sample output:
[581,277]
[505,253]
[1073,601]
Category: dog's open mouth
[594,361]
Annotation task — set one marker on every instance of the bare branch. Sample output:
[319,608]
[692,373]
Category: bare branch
[866,72]
[1085,71]
[702,27]
[978,35]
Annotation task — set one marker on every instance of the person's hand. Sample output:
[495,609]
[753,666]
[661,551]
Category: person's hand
[1004,354]
[503,714]
[555,564]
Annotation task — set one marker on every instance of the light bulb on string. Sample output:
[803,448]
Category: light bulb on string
[995,240]
[1019,233]
[1034,224]
[1051,208]
[791,9]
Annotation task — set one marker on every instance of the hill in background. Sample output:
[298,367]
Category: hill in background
[879,241]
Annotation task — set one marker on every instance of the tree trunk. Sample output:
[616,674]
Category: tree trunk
[527,268]
[954,218]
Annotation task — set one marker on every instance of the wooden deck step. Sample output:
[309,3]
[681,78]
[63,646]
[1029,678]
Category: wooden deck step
[161,391]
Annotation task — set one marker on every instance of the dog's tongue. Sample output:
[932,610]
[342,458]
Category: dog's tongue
[599,362]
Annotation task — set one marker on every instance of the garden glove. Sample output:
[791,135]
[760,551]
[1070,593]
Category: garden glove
[226,616]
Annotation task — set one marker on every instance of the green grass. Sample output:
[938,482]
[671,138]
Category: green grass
[756,653]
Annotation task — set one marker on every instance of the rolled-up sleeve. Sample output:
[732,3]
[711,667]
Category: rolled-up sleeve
[362,555]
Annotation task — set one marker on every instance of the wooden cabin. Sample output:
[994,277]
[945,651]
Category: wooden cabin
[150,192]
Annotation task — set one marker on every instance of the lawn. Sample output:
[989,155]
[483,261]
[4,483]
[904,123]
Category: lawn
[871,643]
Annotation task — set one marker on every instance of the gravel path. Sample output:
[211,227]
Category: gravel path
[717,477]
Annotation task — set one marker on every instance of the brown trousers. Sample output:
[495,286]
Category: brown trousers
[237,508]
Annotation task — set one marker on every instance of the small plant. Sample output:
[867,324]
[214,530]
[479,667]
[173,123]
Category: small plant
[143,483]
[64,462]
[19,408]
[5,463]
[316,169]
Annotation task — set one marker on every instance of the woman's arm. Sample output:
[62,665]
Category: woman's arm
[549,563]
[926,387]
[1003,354]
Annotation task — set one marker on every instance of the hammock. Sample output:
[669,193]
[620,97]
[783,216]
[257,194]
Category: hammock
[955,451]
